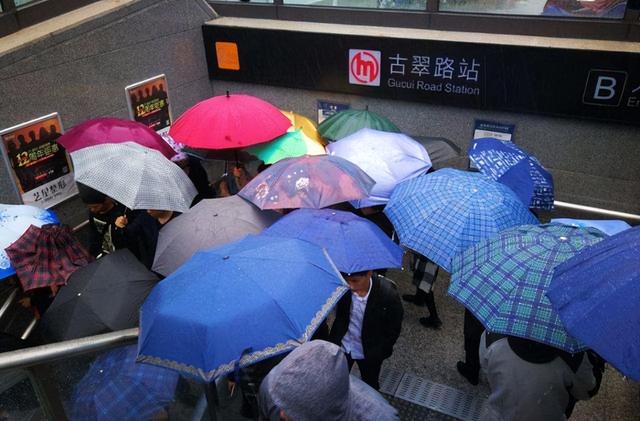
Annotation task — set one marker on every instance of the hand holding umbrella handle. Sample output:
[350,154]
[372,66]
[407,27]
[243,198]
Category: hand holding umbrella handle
[121,221]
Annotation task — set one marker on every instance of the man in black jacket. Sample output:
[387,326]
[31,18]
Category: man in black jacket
[368,323]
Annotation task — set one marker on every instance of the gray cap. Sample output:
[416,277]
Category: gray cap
[313,383]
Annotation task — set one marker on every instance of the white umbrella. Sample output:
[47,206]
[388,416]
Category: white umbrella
[136,176]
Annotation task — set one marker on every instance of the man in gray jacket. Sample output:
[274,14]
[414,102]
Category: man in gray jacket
[531,381]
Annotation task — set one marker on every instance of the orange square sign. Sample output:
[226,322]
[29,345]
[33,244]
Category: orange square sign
[227,54]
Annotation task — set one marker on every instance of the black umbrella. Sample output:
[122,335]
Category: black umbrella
[100,297]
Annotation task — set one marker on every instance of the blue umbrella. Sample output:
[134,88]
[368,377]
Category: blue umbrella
[388,158]
[608,226]
[238,304]
[440,214]
[353,243]
[116,388]
[510,165]
[502,280]
[14,221]
[597,293]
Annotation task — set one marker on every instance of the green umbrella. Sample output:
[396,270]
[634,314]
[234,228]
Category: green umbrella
[289,145]
[346,122]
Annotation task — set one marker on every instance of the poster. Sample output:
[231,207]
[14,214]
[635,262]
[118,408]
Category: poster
[149,103]
[327,108]
[500,131]
[40,167]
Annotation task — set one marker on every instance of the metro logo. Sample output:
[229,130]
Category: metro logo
[364,67]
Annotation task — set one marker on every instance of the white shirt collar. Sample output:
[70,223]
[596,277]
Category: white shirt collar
[368,292]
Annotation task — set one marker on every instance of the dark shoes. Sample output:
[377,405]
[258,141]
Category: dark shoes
[412,298]
[431,322]
[468,372]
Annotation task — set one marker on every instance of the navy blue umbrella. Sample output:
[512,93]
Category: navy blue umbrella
[597,293]
[353,243]
[238,304]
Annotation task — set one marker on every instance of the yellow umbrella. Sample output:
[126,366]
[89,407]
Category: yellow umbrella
[300,122]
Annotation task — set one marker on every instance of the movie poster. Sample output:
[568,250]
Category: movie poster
[149,103]
[40,167]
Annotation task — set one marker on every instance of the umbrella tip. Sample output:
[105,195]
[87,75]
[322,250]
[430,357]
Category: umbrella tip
[366,107]
[225,258]
[228,94]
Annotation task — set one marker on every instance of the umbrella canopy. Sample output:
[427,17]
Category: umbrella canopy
[502,280]
[608,226]
[289,145]
[300,122]
[596,293]
[513,167]
[137,177]
[266,296]
[103,296]
[229,121]
[347,122]
[440,214]
[116,388]
[442,151]
[14,221]
[353,243]
[307,182]
[113,130]
[212,222]
[389,158]
[47,256]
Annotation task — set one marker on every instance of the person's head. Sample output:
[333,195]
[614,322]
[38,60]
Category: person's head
[43,133]
[358,281]
[159,215]
[21,140]
[32,135]
[98,203]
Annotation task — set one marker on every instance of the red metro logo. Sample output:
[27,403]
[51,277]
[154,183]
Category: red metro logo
[364,67]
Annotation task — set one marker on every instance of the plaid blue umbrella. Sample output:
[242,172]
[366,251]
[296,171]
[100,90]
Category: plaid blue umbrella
[502,280]
[353,243]
[440,214]
[237,304]
[510,165]
[597,293]
[117,388]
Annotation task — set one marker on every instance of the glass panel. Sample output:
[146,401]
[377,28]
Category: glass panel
[607,9]
[367,4]
[18,401]
[19,3]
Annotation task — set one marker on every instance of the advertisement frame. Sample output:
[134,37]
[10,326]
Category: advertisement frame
[154,79]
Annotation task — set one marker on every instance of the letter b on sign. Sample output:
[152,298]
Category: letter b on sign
[364,67]
[604,87]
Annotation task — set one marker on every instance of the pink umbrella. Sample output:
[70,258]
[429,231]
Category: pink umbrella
[113,130]
[229,121]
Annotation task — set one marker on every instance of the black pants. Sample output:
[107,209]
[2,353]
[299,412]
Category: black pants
[472,330]
[369,370]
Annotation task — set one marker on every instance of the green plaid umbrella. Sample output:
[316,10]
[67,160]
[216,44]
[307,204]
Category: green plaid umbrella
[503,280]
[347,122]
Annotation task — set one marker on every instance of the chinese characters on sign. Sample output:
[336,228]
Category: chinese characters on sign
[149,103]
[40,167]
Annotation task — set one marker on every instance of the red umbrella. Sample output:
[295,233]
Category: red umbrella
[229,121]
[113,130]
[46,256]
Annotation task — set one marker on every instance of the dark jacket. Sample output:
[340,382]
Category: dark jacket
[381,323]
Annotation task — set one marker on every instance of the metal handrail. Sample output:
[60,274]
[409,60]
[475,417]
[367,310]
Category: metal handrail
[42,354]
[600,211]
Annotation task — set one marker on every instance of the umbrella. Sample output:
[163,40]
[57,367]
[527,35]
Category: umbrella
[502,280]
[229,121]
[441,150]
[347,122]
[103,296]
[300,122]
[212,222]
[116,388]
[353,243]
[510,165]
[608,226]
[388,158]
[47,256]
[113,130]
[440,214]
[14,221]
[137,177]
[289,145]
[597,293]
[266,296]
[307,182]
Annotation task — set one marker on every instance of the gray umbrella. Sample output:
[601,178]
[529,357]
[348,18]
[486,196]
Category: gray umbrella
[211,222]
[442,151]
[103,296]
[136,176]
